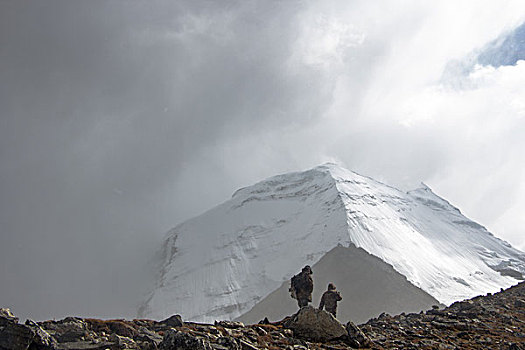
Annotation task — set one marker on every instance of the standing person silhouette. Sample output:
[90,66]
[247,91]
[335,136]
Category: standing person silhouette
[330,299]
[302,286]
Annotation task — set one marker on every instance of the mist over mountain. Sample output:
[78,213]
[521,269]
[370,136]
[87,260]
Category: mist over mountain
[223,263]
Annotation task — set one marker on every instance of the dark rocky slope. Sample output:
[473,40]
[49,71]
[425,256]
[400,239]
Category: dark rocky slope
[486,322]
[369,287]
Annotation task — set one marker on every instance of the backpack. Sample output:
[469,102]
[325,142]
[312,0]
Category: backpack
[294,284]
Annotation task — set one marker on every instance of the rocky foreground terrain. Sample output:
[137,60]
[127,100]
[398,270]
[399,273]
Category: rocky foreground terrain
[486,322]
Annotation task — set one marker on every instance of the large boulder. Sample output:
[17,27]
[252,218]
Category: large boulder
[70,329]
[15,336]
[316,325]
[173,321]
[41,339]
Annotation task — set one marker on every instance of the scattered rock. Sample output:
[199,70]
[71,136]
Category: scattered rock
[177,340]
[123,342]
[229,324]
[356,338]
[7,314]
[265,321]
[73,335]
[228,343]
[147,336]
[246,345]
[87,345]
[494,322]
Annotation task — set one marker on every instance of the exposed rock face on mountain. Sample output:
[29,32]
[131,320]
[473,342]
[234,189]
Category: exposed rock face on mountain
[486,322]
[369,287]
[224,262]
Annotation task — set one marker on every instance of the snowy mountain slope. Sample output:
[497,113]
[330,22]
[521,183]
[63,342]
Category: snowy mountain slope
[506,50]
[369,287]
[426,239]
[221,263]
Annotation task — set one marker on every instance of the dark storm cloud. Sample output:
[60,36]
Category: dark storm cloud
[103,104]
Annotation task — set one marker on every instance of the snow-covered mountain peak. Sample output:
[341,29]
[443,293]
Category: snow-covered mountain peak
[296,184]
[223,262]
[304,183]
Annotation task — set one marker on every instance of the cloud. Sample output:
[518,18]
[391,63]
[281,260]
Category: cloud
[120,120]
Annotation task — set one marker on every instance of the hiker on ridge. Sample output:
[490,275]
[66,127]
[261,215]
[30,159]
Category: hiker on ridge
[330,299]
[302,286]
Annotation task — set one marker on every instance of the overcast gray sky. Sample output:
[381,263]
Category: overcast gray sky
[120,119]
